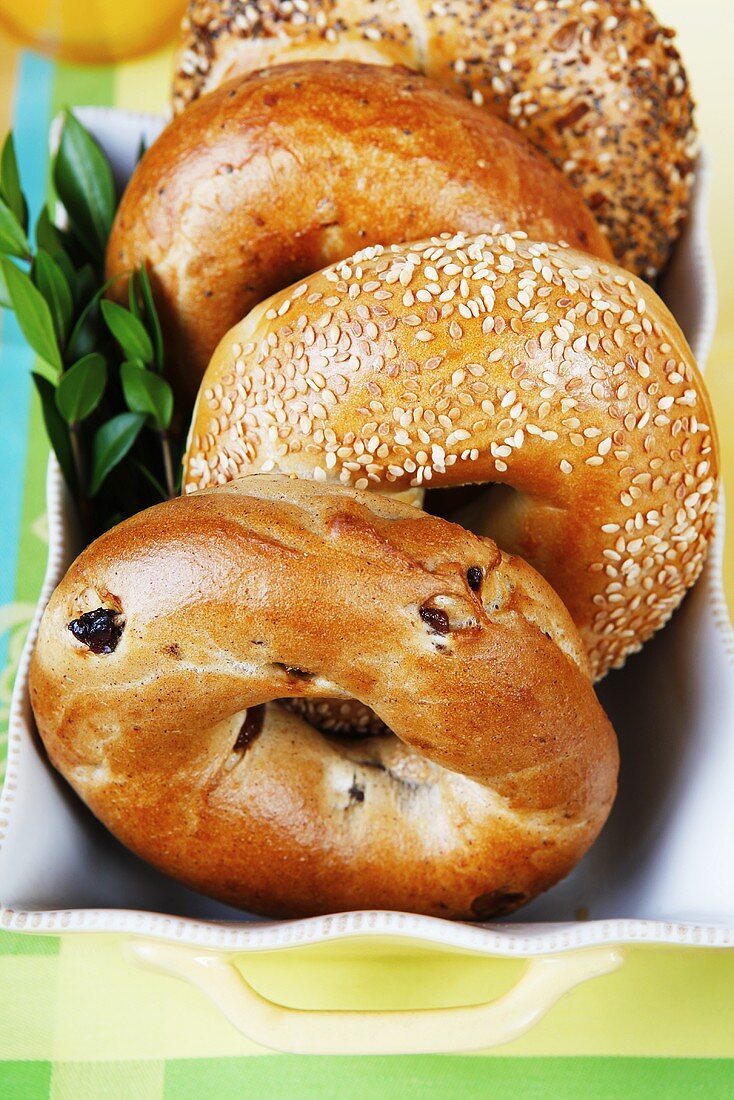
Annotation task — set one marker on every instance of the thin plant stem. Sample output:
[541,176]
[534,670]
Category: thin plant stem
[80,469]
[168,464]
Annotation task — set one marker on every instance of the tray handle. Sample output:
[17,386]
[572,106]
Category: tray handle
[423,1031]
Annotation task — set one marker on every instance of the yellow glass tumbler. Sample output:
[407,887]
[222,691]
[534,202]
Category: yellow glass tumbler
[91,31]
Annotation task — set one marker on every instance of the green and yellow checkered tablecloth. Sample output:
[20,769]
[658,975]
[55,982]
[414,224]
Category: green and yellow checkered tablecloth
[78,1022]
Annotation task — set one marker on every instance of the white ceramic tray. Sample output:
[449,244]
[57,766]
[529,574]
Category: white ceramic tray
[661,872]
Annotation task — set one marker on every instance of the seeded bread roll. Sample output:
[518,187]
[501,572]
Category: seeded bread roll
[270,178]
[597,85]
[462,360]
[162,650]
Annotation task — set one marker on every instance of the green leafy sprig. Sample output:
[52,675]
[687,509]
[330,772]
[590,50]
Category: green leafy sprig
[106,404]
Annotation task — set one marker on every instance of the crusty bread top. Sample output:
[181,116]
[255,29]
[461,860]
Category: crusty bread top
[274,587]
[269,178]
[489,359]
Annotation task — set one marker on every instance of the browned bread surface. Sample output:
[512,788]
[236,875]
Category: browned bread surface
[459,361]
[278,174]
[502,766]
[598,85]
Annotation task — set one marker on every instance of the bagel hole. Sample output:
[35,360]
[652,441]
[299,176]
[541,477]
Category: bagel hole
[447,502]
[490,510]
[343,720]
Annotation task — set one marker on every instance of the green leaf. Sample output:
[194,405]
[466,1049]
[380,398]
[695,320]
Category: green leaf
[51,282]
[5,302]
[151,317]
[32,313]
[85,336]
[56,429]
[10,188]
[85,285]
[47,235]
[132,296]
[128,331]
[13,241]
[146,392]
[111,443]
[137,363]
[81,387]
[83,180]
[68,270]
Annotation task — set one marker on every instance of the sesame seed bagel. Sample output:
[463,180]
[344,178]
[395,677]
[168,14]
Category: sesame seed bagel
[597,85]
[282,172]
[466,360]
[162,653]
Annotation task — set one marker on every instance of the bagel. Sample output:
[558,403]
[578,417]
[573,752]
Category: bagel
[285,171]
[597,85]
[462,360]
[162,653]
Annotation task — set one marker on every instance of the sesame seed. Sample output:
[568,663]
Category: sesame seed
[421,419]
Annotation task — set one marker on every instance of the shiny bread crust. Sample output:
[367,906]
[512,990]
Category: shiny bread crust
[499,774]
[491,359]
[277,174]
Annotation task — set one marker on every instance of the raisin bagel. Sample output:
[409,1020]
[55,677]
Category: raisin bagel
[280,173]
[163,650]
[597,85]
[459,361]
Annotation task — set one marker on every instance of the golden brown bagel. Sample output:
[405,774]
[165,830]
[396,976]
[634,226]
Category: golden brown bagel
[489,359]
[596,84]
[504,765]
[274,176]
